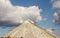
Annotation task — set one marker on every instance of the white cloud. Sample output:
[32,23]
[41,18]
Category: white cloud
[57,17]
[55,14]
[18,14]
[56,4]
[50,30]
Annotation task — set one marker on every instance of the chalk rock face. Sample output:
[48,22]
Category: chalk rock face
[29,30]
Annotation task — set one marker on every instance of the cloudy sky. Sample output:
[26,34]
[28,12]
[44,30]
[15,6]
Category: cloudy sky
[44,13]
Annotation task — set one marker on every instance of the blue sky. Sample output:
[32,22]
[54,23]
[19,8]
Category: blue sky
[47,13]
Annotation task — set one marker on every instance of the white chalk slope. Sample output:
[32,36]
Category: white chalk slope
[29,30]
